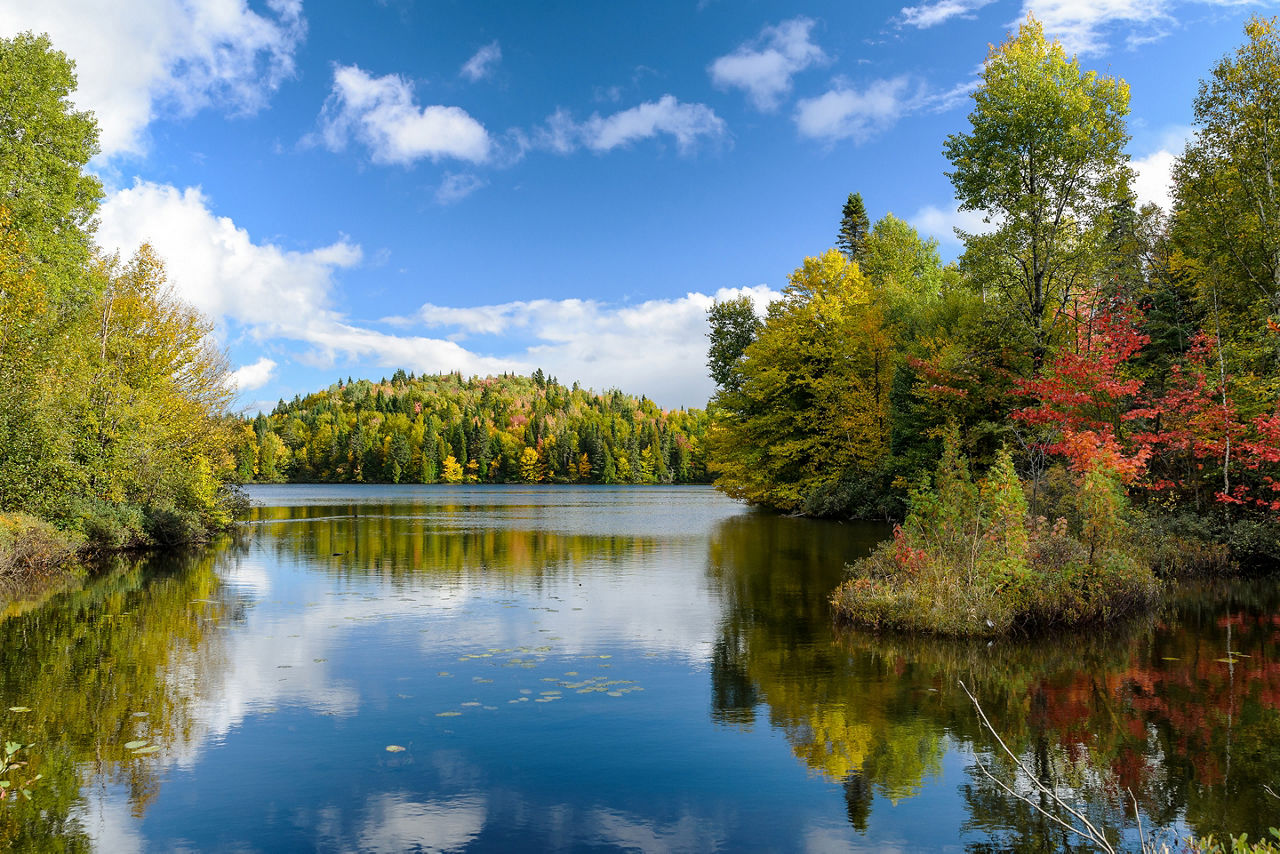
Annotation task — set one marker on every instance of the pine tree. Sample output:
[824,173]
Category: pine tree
[854,226]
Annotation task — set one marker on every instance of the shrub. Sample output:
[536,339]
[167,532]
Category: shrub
[31,547]
[172,526]
[1183,545]
[107,526]
[969,560]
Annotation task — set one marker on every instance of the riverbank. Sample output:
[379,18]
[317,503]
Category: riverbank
[34,549]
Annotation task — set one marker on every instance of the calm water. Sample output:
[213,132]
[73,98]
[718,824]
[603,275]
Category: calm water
[498,669]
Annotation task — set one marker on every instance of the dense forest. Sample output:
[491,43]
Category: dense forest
[446,429]
[1088,394]
[113,392]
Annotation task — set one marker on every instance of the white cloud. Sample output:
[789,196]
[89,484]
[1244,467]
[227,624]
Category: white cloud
[658,347]
[274,293]
[939,12]
[216,266]
[483,63]
[456,186]
[845,113]
[1153,173]
[941,223]
[687,123]
[161,57]
[764,67]
[1081,24]
[380,113]
[1153,179]
[249,377]
[271,294]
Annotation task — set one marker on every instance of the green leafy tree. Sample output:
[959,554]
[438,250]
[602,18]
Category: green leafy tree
[44,146]
[1227,200]
[1044,161]
[815,391]
[733,326]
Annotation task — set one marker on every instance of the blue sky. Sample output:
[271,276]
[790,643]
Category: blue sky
[351,187]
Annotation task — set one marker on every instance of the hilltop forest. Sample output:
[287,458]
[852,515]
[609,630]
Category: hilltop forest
[446,429]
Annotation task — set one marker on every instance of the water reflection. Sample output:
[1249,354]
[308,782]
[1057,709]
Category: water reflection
[1180,708]
[121,659]
[579,670]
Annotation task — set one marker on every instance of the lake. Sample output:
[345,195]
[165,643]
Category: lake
[398,668]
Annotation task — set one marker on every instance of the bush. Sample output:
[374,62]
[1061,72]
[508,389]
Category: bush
[1183,545]
[30,547]
[969,560]
[107,526]
[171,526]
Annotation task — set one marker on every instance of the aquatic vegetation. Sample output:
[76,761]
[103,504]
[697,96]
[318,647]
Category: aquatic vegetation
[14,780]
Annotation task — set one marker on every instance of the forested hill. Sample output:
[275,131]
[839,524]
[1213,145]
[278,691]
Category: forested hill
[446,429]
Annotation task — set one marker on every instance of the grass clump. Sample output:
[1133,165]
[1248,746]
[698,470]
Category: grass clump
[969,559]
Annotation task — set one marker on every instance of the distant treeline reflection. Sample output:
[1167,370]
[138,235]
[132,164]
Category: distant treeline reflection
[376,538]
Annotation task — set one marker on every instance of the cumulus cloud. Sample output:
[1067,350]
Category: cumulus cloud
[215,265]
[273,294]
[763,68]
[1153,179]
[249,377]
[1081,25]
[483,62]
[380,114]
[266,293]
[939,12]
[685,123]
[845,112]
[165,57]
[1153,173]
[657,346]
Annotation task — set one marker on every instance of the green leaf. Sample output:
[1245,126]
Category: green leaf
[149,749]
[394,748]
[134,745]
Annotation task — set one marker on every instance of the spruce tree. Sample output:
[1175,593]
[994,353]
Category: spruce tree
[854,226]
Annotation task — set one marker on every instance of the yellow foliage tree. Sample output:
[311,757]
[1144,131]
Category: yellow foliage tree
[530,466]
[814,398]
[452,470]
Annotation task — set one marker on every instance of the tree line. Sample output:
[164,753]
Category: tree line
[113,392]
[447,429]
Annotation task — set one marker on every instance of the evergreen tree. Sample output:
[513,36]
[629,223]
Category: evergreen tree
[854,225]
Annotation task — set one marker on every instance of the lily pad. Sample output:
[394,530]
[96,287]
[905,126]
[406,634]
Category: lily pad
[134,745]
[394,748]
[151,748]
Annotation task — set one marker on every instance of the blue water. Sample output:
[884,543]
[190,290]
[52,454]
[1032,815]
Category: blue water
[384,669]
